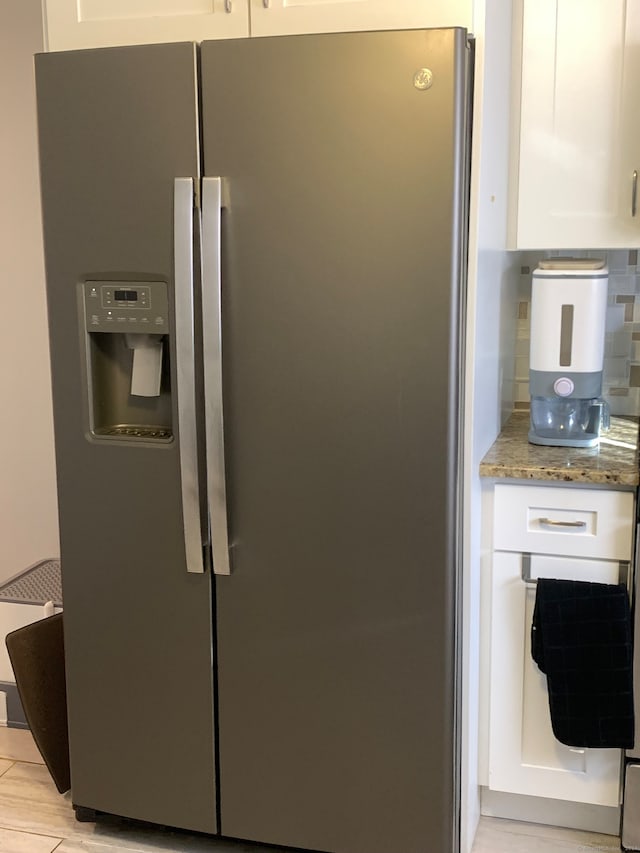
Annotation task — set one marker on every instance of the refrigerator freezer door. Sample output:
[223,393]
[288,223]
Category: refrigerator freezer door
[341,288]
[117,126]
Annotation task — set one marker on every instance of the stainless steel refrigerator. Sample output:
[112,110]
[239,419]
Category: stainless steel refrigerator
[255,260]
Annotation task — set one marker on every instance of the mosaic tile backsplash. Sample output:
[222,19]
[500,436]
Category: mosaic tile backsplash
[621,382]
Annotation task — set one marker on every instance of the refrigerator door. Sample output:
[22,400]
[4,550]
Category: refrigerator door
[117,126]
[342,159]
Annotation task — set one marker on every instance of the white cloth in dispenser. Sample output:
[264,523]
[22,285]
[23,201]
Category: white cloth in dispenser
[146,368]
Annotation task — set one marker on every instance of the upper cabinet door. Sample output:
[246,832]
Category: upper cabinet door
[578,126]
[72,24]
[283,17]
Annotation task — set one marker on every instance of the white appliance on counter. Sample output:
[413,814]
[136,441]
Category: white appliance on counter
[568,309]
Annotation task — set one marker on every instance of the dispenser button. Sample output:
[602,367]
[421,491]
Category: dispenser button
[563,386]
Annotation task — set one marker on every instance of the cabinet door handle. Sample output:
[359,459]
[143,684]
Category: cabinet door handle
[634,193]
[266,3]
[574,525]
[228,6]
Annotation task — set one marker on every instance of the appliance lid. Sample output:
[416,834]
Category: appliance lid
[571,264]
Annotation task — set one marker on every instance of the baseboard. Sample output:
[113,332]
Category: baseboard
[604,819]
[15,713]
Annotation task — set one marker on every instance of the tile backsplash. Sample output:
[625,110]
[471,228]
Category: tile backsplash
[621,382]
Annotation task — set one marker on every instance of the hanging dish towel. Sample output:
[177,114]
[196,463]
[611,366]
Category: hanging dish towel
[581,639]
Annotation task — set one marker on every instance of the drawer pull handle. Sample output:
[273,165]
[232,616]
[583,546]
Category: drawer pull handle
[574,525]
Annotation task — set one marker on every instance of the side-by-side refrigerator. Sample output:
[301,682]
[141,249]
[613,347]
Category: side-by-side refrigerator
[255,260]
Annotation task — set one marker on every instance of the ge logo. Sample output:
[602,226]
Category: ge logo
[423,78]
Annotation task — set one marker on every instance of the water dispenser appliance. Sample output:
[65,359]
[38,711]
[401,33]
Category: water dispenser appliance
[568,309]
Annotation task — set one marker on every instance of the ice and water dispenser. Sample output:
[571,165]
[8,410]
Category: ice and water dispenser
[127,327]
[568,312]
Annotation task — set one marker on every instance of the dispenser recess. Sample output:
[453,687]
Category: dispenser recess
[127,332]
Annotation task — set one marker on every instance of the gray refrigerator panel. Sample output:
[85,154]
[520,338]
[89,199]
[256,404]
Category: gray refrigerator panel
[341,295]
[116,127]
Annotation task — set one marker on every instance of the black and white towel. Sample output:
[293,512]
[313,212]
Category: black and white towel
[581,638]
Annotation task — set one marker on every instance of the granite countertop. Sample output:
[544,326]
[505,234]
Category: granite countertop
[613,463]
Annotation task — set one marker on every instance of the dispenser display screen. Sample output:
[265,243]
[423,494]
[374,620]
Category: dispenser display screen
[110,306]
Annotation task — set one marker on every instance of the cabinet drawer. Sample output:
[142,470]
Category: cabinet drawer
[576,522]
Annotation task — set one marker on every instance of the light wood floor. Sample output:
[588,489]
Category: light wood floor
[34,818]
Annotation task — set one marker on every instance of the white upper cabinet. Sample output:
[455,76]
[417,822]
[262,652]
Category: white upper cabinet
[71,24]
[280,17]
[578,146]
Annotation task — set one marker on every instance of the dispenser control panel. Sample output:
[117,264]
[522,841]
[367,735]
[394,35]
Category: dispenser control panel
[126,306]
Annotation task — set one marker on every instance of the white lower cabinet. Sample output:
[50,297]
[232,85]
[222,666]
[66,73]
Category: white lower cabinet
[524,756]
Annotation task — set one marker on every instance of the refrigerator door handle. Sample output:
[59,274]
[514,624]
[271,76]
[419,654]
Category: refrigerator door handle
[185,371]
[212,355]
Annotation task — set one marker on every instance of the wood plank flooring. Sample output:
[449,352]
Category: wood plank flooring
[507,836]
[34,818]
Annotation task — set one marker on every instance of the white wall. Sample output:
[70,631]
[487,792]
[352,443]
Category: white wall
[494,276]
[28,506]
